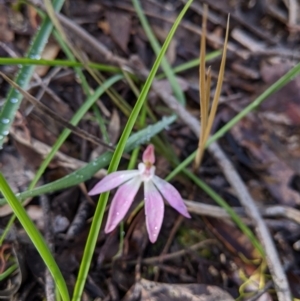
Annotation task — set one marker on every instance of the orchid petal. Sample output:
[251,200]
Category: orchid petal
[148,154]
[171,194]
[154,210]
[121,203]
[113,180]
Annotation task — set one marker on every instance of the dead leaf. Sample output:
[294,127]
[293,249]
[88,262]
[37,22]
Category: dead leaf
[286,100]
[114,127]
[36,215]
[234,240]
[50,52]
[278,175]
[7,35]
[113,134]
[104,26]
[146,290]
[120,30]
[32,17]
[15,170]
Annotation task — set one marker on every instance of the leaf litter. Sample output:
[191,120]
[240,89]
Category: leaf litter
[261,48]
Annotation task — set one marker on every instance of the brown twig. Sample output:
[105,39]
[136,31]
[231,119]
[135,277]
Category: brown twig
[268,211]
[170,256]
[80,218]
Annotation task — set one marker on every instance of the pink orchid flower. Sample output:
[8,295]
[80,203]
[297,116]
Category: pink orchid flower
[155,189]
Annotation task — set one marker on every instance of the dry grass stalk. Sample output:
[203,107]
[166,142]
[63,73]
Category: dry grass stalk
[207,114]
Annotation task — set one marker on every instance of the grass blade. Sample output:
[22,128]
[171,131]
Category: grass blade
[56,63]
[36,238]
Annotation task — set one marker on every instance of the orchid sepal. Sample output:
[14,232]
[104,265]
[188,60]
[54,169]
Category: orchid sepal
[113,180]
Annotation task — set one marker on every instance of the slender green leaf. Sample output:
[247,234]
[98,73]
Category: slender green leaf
[36,237]
[56,63]
[8,272]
